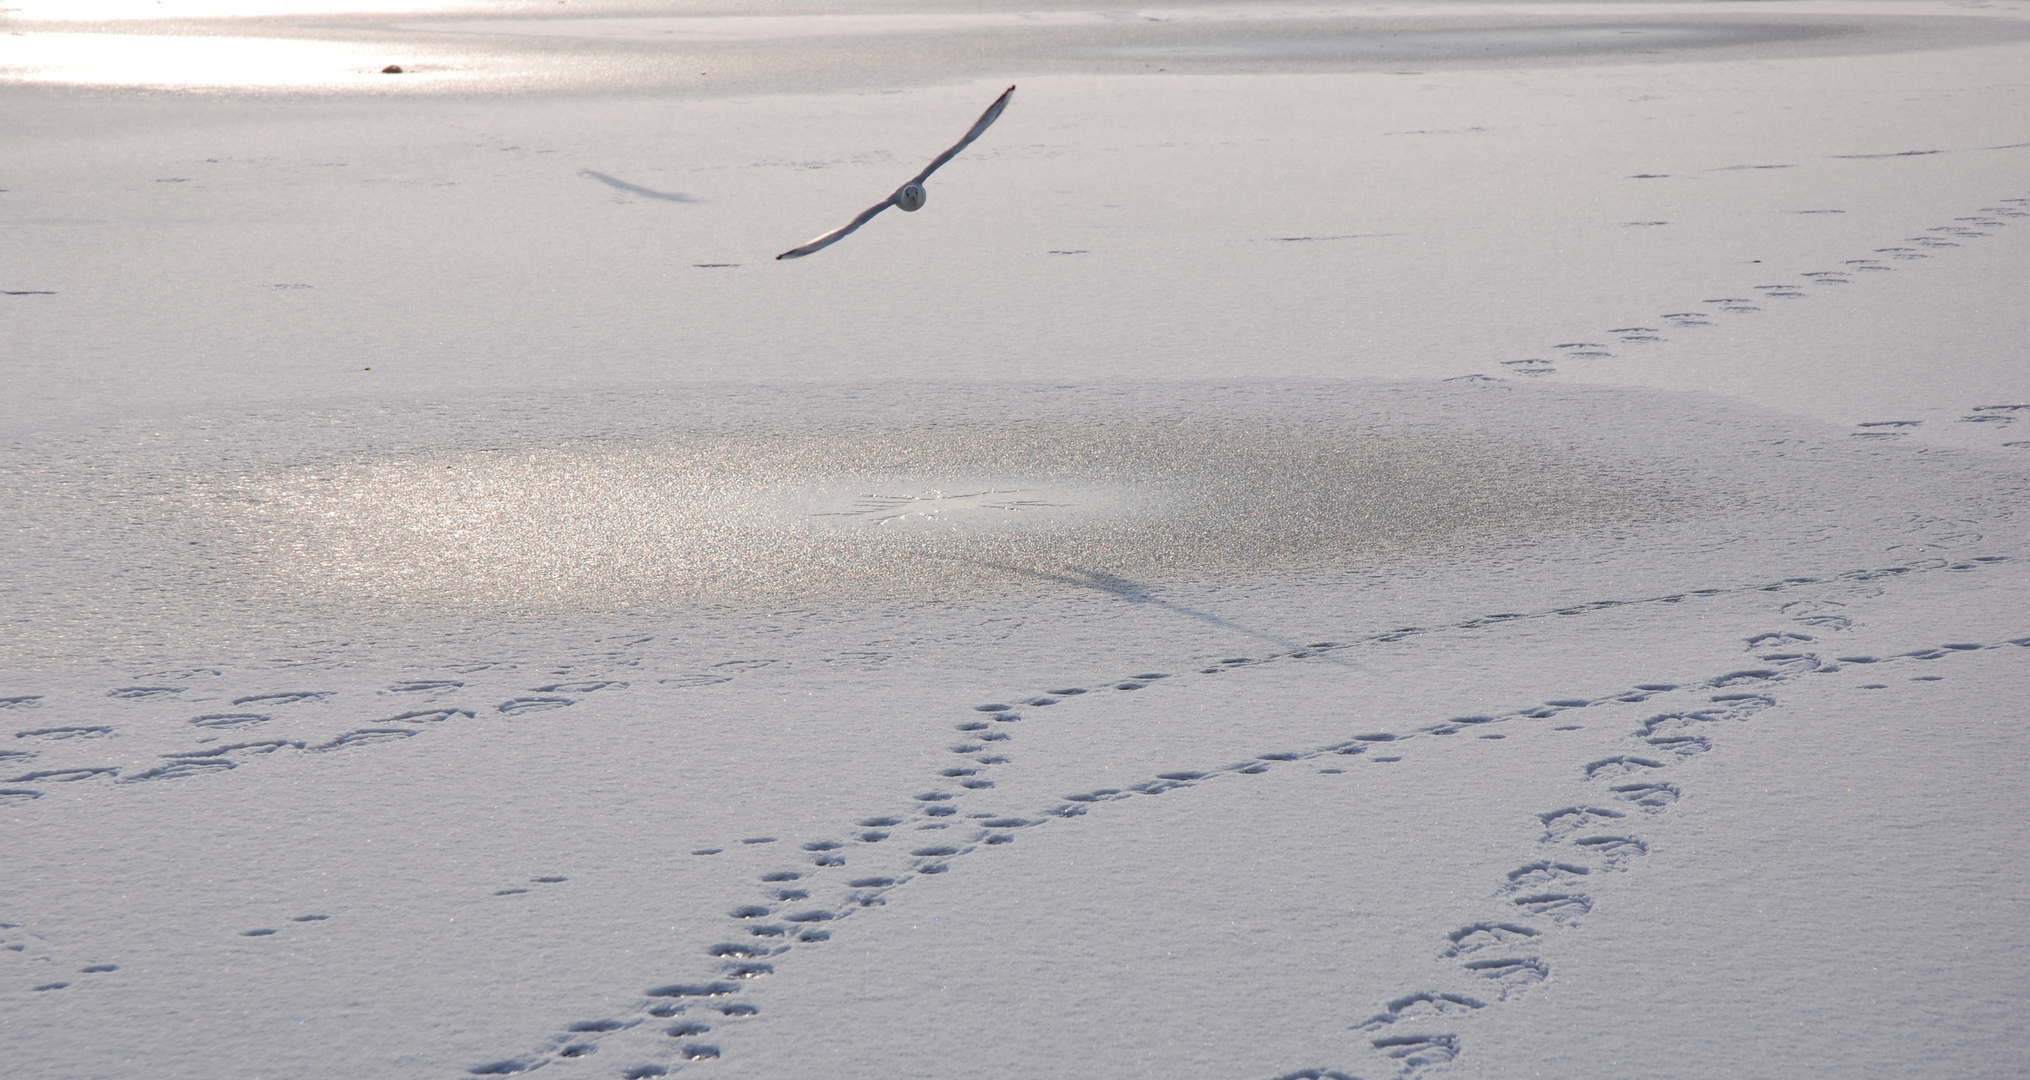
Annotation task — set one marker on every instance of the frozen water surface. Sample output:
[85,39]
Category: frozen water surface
[528,45]
[1439,540]
[885,514]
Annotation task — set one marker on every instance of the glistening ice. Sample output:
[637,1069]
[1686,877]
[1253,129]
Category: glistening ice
[920,511]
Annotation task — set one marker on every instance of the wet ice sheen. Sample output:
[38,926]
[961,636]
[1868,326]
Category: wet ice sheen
[895,513]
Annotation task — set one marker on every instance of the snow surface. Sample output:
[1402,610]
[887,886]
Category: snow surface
[1473,540]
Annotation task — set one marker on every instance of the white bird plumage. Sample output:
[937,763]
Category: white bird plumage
[910,196]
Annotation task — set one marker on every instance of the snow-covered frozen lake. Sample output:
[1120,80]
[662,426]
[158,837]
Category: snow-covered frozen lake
[1434,540]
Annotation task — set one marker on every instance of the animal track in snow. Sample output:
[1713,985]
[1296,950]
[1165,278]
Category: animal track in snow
[1536,875]
[580,687]
[1415,1051]
[1418,1006]
[1558,907]
[788,919]
[1543,889]
[139,693]
[230,720]
[249,711]
[1936,238]
[534,704]
[89,731]
[364,737]
[1620,766]
[1559,824]
[425,686]
[1614,852]
[1648,796]
[264,746]
[178,770]
[64,776]
[1511,974]
[287,698]
[428,716]
[1532,367]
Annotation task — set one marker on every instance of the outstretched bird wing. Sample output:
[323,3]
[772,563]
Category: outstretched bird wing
[985,121]
[832,237]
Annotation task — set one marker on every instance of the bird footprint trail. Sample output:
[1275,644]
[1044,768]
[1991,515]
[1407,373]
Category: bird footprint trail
[212,757]
[1934,241]
[1582,850]
[1496,960]
[910,196]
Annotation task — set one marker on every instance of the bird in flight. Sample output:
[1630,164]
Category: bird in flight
[909,196]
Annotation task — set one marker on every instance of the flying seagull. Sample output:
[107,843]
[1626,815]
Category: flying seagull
[909,196]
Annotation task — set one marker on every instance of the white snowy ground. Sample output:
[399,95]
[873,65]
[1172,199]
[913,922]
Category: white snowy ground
[1469,540]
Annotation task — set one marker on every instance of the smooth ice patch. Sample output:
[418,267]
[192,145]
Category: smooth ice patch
[910,512]
[969,504]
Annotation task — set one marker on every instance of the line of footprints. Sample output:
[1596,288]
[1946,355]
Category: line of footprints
[212,760]
[1935,240]
[1496,957]
[937,807]
[215,757]
[1540,890]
